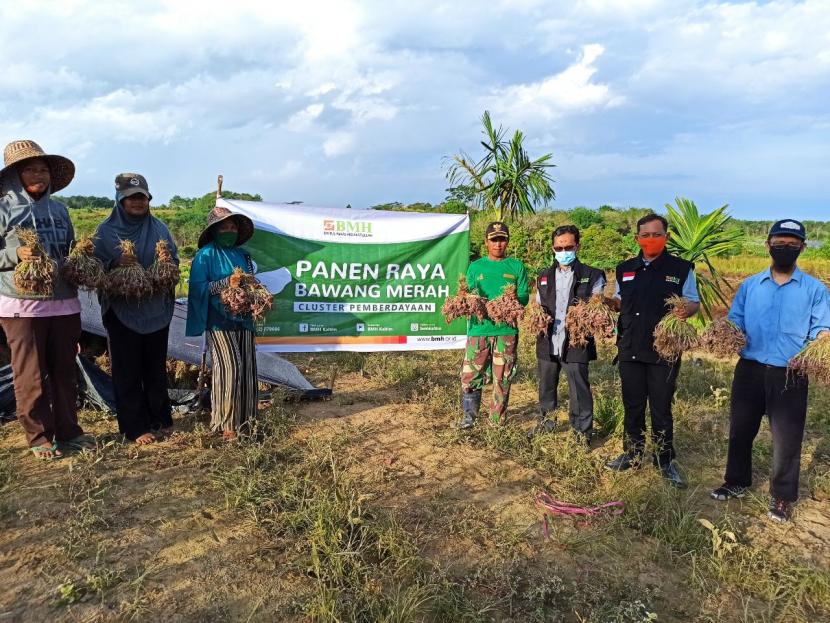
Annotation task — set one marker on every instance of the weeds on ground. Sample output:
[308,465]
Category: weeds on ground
[364,565]
[791,591]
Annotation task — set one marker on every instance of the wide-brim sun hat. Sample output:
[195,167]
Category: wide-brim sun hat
[61,169]
[217,215]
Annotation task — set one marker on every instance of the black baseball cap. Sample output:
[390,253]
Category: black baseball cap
[788,227]
[127,184]
[496,229]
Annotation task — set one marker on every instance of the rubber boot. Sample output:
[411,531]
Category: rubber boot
[470,402]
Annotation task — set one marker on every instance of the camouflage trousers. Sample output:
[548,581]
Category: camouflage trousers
[489,358]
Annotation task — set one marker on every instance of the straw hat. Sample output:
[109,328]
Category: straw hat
[217,215]
[61,169]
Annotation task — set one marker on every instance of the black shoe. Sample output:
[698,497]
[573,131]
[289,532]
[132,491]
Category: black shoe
[727,492]
[624,462]
[544,425]
[780,511]
[467,422]
[583,438]
[671,473]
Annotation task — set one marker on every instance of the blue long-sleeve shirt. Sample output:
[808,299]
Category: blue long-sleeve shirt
[779,320]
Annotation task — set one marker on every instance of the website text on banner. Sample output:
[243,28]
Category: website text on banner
[359,280]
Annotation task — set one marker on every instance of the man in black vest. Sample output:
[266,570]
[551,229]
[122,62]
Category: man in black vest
[643,285]
[560,286]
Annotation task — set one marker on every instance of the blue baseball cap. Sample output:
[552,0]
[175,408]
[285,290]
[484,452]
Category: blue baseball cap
[788,227]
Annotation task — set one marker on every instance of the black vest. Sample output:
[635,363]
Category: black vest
[643,292]
[584,279]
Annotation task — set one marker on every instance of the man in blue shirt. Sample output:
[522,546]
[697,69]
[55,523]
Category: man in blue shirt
[779,310]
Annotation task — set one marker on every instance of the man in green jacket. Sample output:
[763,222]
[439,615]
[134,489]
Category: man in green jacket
[491,348]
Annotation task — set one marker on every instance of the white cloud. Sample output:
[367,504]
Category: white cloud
[570,91]
[338,144]
[371,95]
[303,119]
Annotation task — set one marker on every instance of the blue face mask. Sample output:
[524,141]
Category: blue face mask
[566,258]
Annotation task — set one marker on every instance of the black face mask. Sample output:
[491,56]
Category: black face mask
[785,258]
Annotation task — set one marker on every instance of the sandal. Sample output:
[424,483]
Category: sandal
[81,443]
[40,452]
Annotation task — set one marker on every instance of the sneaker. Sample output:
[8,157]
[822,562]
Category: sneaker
[624,462]
[671,473]
[727,492]
[780,510]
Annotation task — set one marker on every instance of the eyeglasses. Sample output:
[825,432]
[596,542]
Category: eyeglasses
[570,247]
[793,246]
[650,235]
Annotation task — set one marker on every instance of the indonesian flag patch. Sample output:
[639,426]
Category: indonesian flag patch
[628,276]
[543,281]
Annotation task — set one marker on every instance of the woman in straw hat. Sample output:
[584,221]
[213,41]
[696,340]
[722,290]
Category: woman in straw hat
[137,333]
[42,329]
[234,388]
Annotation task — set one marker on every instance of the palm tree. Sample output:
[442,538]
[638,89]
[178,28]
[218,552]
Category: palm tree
[505,180]
[698,238]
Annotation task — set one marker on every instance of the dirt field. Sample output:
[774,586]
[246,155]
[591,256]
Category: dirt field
[372,507]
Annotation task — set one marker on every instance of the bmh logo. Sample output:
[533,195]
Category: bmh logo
[358,229]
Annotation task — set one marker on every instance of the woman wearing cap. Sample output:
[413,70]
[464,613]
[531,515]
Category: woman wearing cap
[42,331]
[230,338]
[137,331]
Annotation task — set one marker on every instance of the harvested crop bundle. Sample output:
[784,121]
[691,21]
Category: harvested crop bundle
[464,304]
[722,338]
[506,309]
[128,281]
[260,297]
[813,360]
[163,274]
[235,297]
[536,320]
[673,336]
[589,318]
[82,269]
[34,276]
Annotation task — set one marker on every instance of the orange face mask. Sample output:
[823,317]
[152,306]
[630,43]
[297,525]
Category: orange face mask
[652,246]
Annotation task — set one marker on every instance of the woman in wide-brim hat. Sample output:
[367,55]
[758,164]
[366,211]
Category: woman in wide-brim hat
[234,389]
[42,330]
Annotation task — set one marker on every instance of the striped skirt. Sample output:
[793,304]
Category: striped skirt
[234,389]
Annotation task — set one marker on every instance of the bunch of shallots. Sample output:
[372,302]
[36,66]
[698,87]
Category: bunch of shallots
[536,320]
[464,304]
[164,273]
[128,281]
[673,336]
[246,295]
[722,338]
[82,269]
[36,275]
[506,309]
[813,360]
[589,318]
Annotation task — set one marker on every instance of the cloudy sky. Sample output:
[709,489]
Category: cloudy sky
[361,102]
